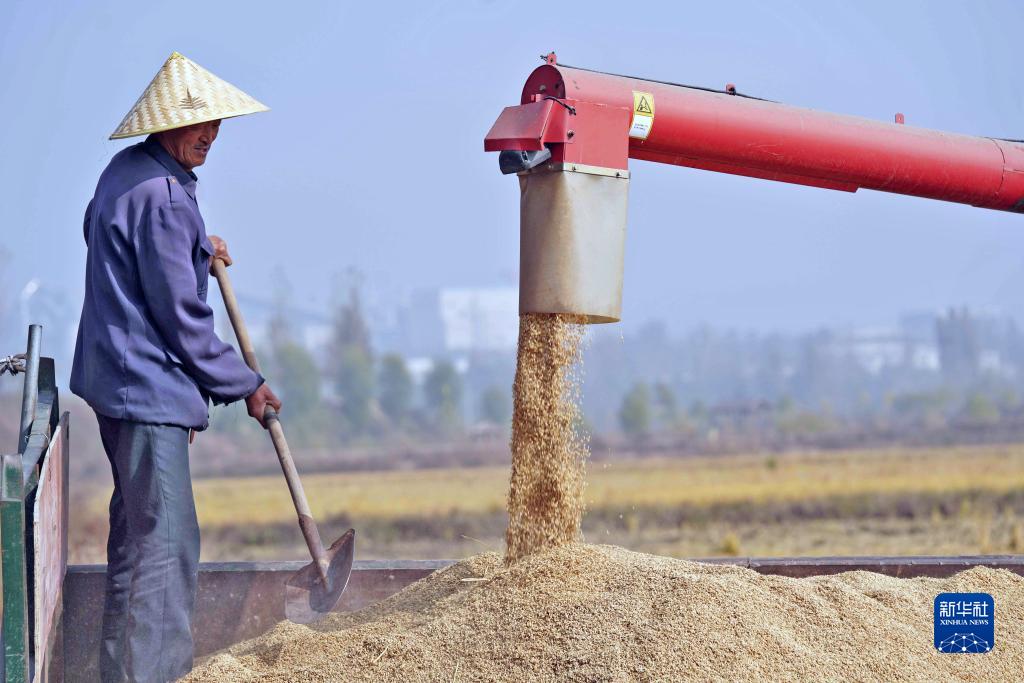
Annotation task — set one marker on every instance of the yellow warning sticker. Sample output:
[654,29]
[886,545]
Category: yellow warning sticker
[643,115]
[643,103]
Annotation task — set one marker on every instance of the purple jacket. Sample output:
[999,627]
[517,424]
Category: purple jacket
[146,349]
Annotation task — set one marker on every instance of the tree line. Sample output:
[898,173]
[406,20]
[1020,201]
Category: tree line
[351,393]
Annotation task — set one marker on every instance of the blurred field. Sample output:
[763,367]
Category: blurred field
[893,501]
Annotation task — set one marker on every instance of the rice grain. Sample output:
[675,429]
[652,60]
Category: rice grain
[545,499]
[601,613]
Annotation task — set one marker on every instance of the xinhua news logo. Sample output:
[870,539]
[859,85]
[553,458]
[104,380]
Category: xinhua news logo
[965,623]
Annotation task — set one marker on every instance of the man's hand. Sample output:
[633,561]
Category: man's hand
[257,403]
[220,251]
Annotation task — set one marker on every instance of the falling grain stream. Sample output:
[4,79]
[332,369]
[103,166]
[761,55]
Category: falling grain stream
[545,499]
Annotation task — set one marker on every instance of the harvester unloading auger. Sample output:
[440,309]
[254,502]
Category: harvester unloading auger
[571,138]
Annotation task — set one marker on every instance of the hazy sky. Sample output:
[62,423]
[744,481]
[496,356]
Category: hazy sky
[372,153]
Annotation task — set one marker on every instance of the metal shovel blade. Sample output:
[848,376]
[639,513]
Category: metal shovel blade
[307,599]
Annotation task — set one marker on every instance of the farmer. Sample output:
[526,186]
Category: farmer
[148,362]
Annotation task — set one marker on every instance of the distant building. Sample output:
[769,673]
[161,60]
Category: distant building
[875,348]
[485,319]
[959,346]
[308,327]
[924,357]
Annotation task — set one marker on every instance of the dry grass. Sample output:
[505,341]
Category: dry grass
[683,507]
[690,481]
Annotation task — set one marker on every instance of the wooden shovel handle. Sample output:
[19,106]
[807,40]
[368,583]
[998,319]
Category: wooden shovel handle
[235,314]
[273,425]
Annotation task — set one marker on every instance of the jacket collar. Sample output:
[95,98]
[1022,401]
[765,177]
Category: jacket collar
[186,179]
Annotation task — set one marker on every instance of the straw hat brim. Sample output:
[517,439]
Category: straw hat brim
[172,126]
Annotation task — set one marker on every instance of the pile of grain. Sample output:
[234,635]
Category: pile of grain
[600,613]
[545,499]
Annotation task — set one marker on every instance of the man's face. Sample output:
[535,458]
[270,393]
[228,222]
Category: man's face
[190,145]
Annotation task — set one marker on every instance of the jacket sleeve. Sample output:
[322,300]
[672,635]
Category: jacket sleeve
[164,247]
[87,222]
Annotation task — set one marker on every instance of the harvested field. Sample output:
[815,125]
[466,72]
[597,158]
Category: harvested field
[896,501]
[600,613]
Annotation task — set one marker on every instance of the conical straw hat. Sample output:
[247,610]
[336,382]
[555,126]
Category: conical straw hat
[183,93]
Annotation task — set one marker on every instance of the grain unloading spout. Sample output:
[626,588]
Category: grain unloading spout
[572,237]
[574,131]
[572,214]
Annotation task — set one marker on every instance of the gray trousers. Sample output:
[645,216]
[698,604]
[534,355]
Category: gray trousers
[152,554]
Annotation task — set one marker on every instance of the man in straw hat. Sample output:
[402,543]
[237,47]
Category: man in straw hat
[148,361]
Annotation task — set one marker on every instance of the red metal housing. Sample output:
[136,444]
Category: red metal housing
[729,133]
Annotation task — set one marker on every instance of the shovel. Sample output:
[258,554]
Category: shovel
[314,590]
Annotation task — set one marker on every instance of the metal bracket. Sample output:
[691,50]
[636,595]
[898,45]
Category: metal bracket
[12,364]
[579,168]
